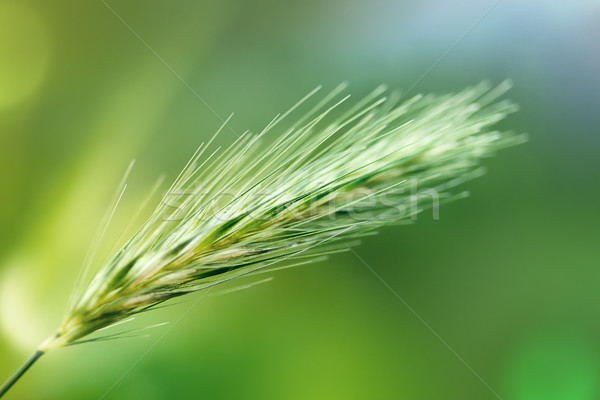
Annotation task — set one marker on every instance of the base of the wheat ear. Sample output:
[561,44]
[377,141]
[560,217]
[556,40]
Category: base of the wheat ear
[53,342]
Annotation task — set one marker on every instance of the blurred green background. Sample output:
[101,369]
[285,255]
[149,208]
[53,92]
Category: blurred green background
[508,278]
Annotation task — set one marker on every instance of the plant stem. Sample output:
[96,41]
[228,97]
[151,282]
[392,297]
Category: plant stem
[11,381]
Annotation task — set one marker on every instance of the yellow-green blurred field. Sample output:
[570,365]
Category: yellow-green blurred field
[503,287]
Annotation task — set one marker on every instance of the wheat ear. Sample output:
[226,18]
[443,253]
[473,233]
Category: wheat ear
[332,176]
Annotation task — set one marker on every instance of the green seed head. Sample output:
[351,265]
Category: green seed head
[328,178]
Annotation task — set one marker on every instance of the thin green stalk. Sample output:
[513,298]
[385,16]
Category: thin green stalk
[20,372]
